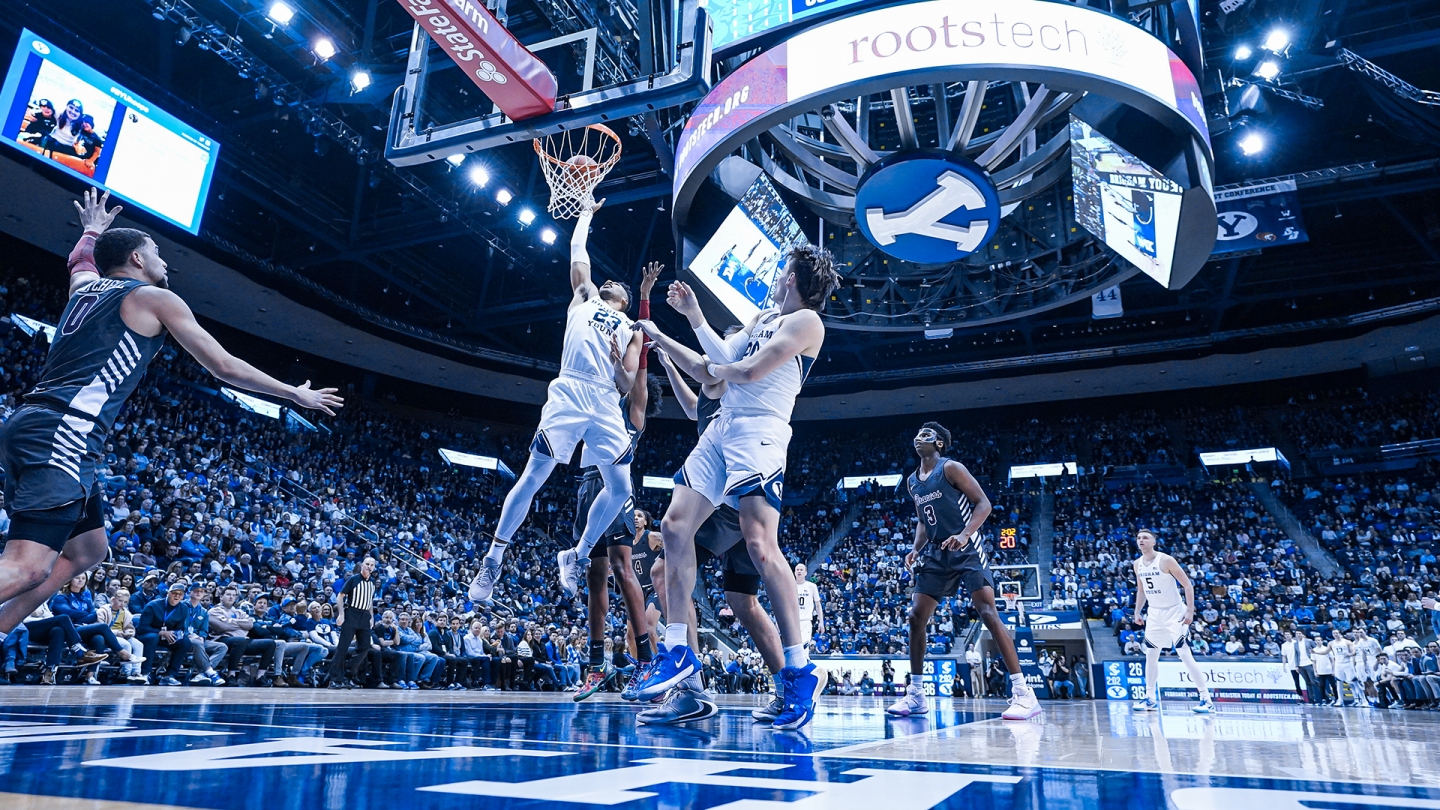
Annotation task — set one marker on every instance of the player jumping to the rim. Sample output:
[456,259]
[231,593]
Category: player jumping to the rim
[950,508]
[119,312]
[741,457]
[583,404]
[641,403]
[1158,582]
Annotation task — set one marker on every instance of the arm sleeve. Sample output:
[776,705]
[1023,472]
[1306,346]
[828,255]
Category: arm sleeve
[722,351]
[82,258]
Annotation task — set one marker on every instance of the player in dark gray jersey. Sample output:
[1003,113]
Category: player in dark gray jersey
[950,508]
[119,311]
[719,536]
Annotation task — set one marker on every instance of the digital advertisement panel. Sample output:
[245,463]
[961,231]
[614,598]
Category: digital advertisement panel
[1131,207]
[60,110]
[1242,681]
[742,261]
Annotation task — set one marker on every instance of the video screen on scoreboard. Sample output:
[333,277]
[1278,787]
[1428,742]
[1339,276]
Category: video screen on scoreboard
[60,110]
[736,21]
[1131,207]
[742,261]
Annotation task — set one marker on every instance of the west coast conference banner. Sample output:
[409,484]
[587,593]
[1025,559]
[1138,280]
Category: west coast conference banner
[1258,216]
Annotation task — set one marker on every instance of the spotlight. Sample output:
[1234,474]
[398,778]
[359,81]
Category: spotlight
[1268,70]
[324,48]
[548,236]
[503,196]
[183,36]
[280,13]
[1277,40]
[527,216]
[1251,143]
[479,176]
[1242,53]
[359,80]
[456,159]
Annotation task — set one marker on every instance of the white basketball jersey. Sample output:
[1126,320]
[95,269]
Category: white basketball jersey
[1161,589]
[1343,653]
[774,394]
[809,598]
[589,326]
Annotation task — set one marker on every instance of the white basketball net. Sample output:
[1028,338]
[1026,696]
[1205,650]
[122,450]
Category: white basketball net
[572,186]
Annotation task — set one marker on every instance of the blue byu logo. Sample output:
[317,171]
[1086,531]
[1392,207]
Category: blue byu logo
[927,206]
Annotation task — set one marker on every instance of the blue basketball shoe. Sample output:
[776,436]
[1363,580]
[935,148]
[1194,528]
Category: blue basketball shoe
[666,671]
[802,687]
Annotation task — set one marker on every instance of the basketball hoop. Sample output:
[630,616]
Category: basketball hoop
[1010,595]
[574,162]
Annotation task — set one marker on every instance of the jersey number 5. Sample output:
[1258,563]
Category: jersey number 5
[1149,585]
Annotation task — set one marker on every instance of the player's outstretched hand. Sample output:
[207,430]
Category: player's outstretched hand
[647,281]
[651,330]
[317,399]
[682,299]
[955,542]
[93,216]
[591,206]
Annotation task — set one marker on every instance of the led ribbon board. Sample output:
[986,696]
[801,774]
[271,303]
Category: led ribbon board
[1063,46]
[489,56]
[1236,457]
[1043,470]
[253,404]
[855,481]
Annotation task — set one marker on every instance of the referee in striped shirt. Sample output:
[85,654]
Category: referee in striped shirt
[357,601]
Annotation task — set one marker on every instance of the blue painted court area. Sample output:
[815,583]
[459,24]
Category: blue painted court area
[188,751]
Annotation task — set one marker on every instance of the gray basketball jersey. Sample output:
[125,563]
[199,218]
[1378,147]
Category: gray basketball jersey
[706,409]
[943,509]
[96,360]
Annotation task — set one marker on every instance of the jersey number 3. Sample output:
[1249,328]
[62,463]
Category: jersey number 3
[930,514]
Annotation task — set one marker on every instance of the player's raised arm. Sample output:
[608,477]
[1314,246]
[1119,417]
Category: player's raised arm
[801,332]
[94,219]
[688,399]
[959,477]
[175,315]
[627,363]
[684,358]
[682,299]
[580,281]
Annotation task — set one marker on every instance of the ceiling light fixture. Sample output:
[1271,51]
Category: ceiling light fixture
[280,13]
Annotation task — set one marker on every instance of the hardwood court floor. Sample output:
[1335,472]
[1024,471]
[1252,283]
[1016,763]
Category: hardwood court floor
[120,748]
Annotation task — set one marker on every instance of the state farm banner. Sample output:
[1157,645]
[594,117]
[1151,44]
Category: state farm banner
[505,70]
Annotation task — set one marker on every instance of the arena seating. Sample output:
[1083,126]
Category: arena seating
[194,483]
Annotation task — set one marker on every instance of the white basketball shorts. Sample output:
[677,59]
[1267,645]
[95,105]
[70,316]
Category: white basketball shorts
[739,455]
[1163,626]
[576,410]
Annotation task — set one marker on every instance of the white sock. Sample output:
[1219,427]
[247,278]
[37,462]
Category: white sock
[1152,673]
[796,656]
[496,554]
[1018,684]
[676,635]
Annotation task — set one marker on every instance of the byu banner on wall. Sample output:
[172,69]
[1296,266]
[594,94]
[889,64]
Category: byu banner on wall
[1258,216]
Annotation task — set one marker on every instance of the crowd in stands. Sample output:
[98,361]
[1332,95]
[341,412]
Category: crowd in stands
[203,495]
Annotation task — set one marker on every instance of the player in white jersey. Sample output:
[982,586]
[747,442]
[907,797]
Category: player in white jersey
[1343,653]
[1158,581]
[741,458]
[812,619]
[600,358]
[1367,659]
